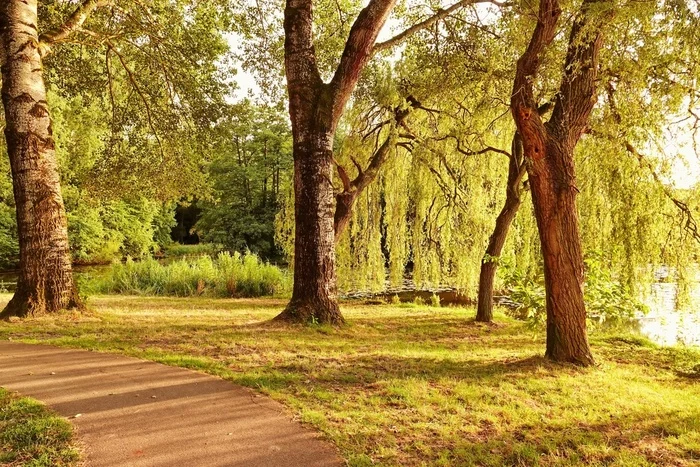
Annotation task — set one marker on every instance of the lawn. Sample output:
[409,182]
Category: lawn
[409,385]
[33,436]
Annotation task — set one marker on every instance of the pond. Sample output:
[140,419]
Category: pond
[666,325]
[8,279]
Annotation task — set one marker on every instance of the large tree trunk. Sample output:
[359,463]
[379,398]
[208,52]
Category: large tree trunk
[314,297]
[549,149]
[45,282]
[516,169]
[554,197]
[315,108]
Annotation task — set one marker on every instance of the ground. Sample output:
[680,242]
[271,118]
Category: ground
[32,435]
[407,385]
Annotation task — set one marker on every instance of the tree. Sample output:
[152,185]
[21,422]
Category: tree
[251,167]
[514,189]
[45,282]
[549,150]
[315,108]
[152,49]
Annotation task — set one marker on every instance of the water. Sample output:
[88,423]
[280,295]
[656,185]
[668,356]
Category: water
[664,324]
[8,279]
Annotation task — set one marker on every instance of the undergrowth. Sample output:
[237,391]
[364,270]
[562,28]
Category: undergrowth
[224,276]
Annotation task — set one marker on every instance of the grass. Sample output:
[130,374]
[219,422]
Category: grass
[32,435]
[415,385]
[225,275]
[178,250]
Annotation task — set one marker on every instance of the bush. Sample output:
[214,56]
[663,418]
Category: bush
[607,300]
[226,276]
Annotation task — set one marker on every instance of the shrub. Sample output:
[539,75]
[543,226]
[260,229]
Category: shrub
[607,300]
[226,276]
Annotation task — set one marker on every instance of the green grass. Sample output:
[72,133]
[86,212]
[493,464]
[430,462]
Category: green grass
[32,435]
[417,385]
[178,250]
[225,275]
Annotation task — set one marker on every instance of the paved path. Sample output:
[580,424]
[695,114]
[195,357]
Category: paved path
[137,413]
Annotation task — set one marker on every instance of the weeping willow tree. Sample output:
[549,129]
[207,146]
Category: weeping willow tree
[434,205]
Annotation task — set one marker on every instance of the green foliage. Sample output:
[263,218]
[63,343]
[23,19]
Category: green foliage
[116,229]
[249,173]
[32,435]
[528,294]
[177,250]
[152,81]
[607,299]
[435,300]
[100,228]
[433,207]
[225,276]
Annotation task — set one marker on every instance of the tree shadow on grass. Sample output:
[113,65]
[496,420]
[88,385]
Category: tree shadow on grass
[367,370]
[633,439]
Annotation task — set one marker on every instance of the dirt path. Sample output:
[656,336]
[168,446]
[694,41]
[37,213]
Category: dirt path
[130,412]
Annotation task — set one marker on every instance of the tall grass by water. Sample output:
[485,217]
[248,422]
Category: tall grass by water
[226,275]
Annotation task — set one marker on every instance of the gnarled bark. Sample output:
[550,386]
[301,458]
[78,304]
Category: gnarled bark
[45,282]
[549,150]
[315,109]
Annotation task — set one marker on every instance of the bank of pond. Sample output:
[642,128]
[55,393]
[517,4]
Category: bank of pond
[188,272]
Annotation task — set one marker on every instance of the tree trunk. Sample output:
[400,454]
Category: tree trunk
[45,283]
[549,150]
[315,108]
[314,297]
[484,310]
[552,182]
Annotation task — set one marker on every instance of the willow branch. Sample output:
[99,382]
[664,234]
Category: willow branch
[439,15]
[139,91]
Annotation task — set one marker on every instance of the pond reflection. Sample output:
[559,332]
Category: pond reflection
[666,325]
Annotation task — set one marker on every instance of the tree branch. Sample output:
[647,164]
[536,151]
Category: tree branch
[345,200]
[74,22]
[576,97]
[690,224]
[689,220]
[522,101]
[358,50]
[439,15]
[136,86]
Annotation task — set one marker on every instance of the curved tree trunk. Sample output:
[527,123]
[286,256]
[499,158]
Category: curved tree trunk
[45,282]
[516,170]
[554,197]
[549,149]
